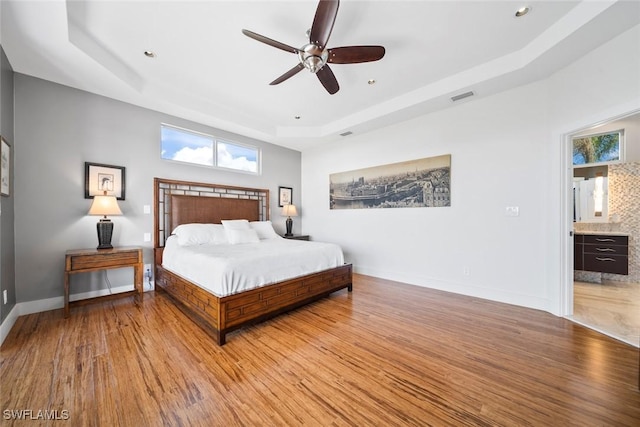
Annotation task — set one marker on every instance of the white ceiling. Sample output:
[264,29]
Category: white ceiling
[207,71]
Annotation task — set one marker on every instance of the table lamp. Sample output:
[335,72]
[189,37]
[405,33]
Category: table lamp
[289,211]
[105,205]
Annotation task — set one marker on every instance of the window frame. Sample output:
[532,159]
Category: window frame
[621,145]
[215,141]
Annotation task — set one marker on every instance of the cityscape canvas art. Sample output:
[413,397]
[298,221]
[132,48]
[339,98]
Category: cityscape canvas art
[412,184]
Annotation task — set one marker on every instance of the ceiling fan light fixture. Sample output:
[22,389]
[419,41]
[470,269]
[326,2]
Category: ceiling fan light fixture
[313,63]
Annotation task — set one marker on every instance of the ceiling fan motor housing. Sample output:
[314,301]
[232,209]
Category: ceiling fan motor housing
[312,57]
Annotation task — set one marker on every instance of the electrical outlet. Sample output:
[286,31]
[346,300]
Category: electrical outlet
[147,271]
[4,296]
[466,271]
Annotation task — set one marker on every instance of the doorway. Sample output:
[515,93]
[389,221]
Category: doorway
[608,303]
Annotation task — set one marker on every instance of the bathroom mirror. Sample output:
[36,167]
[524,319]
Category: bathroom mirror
[591,194]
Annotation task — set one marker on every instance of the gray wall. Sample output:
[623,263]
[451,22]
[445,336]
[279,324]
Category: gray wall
[58,129]
[7,260]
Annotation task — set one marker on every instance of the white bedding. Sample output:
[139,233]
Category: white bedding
[228,269]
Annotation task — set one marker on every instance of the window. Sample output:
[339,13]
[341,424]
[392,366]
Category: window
[188,146]
[597,149]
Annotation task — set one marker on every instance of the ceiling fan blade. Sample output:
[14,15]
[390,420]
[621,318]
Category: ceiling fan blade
[323,22]
[292,72]
[328,80]
[355,54]
[270,42]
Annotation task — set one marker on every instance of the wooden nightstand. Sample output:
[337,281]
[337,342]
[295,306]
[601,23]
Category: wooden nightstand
[297,237]
[85,260]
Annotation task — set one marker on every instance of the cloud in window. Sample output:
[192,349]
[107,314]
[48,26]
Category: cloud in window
[200,155]
[228,160]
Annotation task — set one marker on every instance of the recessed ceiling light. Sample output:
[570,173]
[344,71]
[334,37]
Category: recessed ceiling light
[149,54]
[371,81]
[522,11]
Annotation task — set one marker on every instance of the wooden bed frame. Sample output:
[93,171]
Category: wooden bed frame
[181,202]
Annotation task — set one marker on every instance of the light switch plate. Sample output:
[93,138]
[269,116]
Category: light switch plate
[512,211]
[147,237]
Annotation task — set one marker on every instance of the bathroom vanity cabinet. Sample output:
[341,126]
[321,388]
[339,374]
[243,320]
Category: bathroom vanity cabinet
[603,253]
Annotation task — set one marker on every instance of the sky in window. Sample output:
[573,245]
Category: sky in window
[186,146]
[237,157]
[193,147]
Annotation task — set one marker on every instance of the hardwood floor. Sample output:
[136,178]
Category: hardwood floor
[387,354]
[612,308]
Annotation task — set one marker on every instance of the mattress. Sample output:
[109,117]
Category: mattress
[226,269]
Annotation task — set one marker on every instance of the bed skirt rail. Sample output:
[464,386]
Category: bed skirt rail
[221,315]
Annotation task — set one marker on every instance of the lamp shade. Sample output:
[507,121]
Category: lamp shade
[289,210]
[105,205]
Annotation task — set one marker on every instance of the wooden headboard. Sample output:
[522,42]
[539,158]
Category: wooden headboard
[210,210]
[182,202]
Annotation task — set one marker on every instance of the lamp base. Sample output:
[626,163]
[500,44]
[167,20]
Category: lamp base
[105,231]
[289,224]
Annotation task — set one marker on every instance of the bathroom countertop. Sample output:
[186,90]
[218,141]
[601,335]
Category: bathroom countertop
[605,233]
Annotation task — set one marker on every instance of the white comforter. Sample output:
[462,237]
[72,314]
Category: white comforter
[228,269]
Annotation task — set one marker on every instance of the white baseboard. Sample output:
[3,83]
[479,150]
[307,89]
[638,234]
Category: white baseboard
[469,289]
[8,323]
[38,306]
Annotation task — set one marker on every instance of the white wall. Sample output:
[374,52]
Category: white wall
[506,151]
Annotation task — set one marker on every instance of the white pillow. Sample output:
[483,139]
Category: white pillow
[200,234]
[242,236]
[235,224]
[264,229]
[219,235]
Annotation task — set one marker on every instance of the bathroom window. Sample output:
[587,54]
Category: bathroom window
[183,145]
[601,148]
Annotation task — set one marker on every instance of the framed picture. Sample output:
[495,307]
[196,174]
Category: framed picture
[5,167]
[419,183]
[99,178]
[284,196]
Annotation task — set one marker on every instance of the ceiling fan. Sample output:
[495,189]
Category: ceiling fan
[314,56]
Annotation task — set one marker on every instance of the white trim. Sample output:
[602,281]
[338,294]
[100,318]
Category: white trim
[565,299]
[497,295]
[563,136]
[8,323]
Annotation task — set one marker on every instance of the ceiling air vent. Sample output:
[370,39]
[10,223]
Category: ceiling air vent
[347,133]
[462,96]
